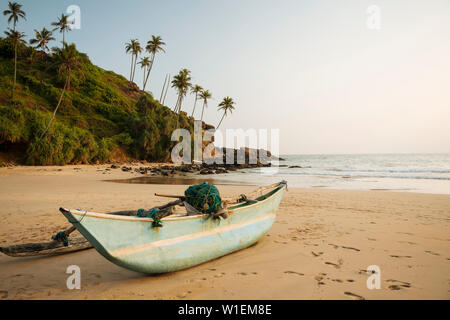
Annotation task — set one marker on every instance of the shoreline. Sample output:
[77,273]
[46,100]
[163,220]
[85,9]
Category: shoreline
[134,174]
[318,248]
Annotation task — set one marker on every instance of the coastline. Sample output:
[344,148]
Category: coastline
[318,248]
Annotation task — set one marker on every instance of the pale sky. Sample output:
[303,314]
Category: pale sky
[312,69]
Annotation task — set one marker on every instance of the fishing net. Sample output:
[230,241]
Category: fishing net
[204,197]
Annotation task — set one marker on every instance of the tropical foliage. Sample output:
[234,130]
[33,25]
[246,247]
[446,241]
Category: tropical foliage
[14,12]
[227,105]
[63,109]
[195,90]
[205,95]
[134,48]
[153,47]
[42,38]
[62,25]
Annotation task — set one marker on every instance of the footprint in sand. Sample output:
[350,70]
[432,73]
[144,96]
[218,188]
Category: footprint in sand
[184,295]
[319,278]
[3,294]
[333,264]
[337,266]
[354,295]
[350,248]
[433,253]
[398,285]
[395,256]
[316,254]
[294,272]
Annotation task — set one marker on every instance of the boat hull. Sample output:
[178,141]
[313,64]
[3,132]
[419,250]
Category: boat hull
[181,243]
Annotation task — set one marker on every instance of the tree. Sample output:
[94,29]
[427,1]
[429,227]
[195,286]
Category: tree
[226,105]
[145,63]
[42,38]
[133,47]
[16,37]
[195,89]
[182,83]
[205,95]
[63,25]
[66,59]
[153,47]
[15,12]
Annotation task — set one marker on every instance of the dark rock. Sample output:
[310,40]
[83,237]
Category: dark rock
[220,170]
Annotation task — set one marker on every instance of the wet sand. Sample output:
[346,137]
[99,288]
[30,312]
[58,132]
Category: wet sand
[319,247]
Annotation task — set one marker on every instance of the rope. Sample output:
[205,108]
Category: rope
[73,221]
[204,197]
[156,220]
[61,236]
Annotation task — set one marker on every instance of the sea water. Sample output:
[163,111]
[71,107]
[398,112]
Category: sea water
[424,173]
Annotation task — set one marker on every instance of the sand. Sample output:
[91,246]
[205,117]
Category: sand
[319,247]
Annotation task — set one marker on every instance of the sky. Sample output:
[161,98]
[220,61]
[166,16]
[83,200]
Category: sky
[313,69]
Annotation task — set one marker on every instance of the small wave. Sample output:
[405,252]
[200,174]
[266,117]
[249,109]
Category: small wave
[391,171]
[367,175]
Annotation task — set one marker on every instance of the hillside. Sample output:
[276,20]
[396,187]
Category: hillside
[102,117]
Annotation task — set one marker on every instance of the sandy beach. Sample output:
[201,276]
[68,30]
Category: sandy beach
[319,247]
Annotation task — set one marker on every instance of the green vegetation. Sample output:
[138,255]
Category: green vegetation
[196,89]
[205,95]
[134,47]
[98,118]
[181,82]
[60,108]
[227,105]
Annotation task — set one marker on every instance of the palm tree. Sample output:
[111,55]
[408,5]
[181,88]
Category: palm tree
[42,38]
[15,12]
[145,63]
[182,83]
[153,47]
[134,47]
[16,37]
[195,89]
[63,25]
[67,59]
[226,105]
[205,95]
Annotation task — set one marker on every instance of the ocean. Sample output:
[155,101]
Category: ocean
[424,173]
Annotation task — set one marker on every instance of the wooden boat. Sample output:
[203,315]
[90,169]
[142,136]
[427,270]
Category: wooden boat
[183,241]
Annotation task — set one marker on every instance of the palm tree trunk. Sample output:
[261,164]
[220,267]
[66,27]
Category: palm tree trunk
[149,69]
[179,109]
[177,104]
[15,69]
[134,67]
[68,79]
[223,116]
[131,71]
[195,102]
[63,38]
[56,109]
[162,91]
[203,108]
[143,81]
[167,89]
